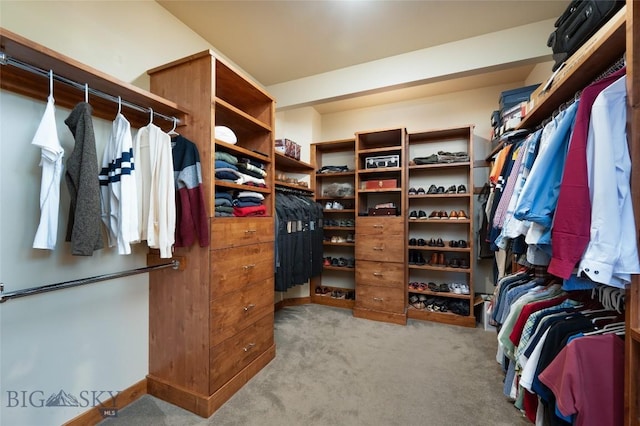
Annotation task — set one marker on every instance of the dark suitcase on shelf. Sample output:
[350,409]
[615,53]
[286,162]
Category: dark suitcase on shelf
[579,22]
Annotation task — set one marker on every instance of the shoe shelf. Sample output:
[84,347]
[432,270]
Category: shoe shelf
[340,279]
[442,317]
[440,145]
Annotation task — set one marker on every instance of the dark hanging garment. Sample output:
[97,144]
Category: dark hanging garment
[84,225]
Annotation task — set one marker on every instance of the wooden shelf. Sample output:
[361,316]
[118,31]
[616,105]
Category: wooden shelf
[465,195]
[243,152]
[231,185]
[592,58]
[36,86]
[442,317]
[440,268]
[335,174]
[338,268]
[293,186]
[441,294]
[445,248]
[289,164]
[465,164]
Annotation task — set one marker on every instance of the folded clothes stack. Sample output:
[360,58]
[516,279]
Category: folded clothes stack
[223,204]
[333,169]
[249,203]
[442,157]
[242,171]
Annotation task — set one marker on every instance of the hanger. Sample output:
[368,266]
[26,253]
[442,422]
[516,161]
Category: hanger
[173,132]
[86,93]
[150,116]
[119,105]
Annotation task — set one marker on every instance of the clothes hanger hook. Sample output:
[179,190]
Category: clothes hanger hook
[175,123]
[150,115]
[119,104]
[86,92]
[51,83]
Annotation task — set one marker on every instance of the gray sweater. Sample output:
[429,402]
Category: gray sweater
[84,225]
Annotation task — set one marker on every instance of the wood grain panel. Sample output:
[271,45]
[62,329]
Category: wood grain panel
[384,274]
[234,312]
[234,268]
[234,232]
[179,322]
[380,248]
[235,353]
[392,227]
[384,299]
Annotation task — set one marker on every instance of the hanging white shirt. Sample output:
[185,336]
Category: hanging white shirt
[51,154]
[611,255]
[155,188]
[118,194]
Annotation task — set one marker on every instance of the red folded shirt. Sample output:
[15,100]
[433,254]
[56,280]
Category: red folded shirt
[260,210]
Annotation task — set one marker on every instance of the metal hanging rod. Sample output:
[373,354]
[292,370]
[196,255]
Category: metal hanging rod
[175,264]
[8,60]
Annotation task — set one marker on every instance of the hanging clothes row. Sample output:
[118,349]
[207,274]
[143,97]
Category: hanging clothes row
[561,351]
[561,195]
[299,234]
[132,193]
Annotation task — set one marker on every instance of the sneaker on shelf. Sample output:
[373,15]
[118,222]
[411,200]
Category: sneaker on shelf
[413,215]
[351,238]
[328,206]
[337,206]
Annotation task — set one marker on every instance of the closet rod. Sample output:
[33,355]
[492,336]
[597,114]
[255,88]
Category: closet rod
[175,264]
[8,60]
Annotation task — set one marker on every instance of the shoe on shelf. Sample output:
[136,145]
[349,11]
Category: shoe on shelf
[454,263]
[464,263]
[413,215]
[462,214]
[453,214]
[462,189]
[412,191]
[432,243]
[419,259]
[421,242]
[326,262]
[462,244]
[443,215]
[432,190]
[451,190]
[351,238]
[351,262]
[432,286]
[328,206]
[441,259]
[413,242]
[453,243]
[422,214]
[420,191]
[439,242]
[334,239]
[412,257]
[334,261]
[434,259]
[455,288]
[440,190]
[434,215]
[337,206]
[443,288]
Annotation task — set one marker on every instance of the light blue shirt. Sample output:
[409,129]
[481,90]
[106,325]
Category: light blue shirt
[611,255]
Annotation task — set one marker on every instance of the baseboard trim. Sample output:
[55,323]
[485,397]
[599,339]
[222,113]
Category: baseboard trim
[95,415]
[205,406]
[297,301]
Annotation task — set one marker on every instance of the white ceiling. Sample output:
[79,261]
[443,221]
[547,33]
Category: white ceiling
[280,41]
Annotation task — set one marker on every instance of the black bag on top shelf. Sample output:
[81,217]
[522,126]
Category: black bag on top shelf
[580,20]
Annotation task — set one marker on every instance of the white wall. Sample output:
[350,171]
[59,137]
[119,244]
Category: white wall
[92,338]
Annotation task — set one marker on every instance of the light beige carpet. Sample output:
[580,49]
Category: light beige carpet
[334,369]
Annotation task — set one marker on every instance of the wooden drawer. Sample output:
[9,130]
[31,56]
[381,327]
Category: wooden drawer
[235,311]
[380,248]
[384,274]
[376,298]
[233,232]
[234,268]
[380,225]
[231,356]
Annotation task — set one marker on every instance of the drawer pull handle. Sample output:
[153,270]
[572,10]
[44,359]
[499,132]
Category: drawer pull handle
[247,267]
[248,307]
[378,248]
[378,226]
[250,231]
[378,274]
[249,346]
[378,299]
